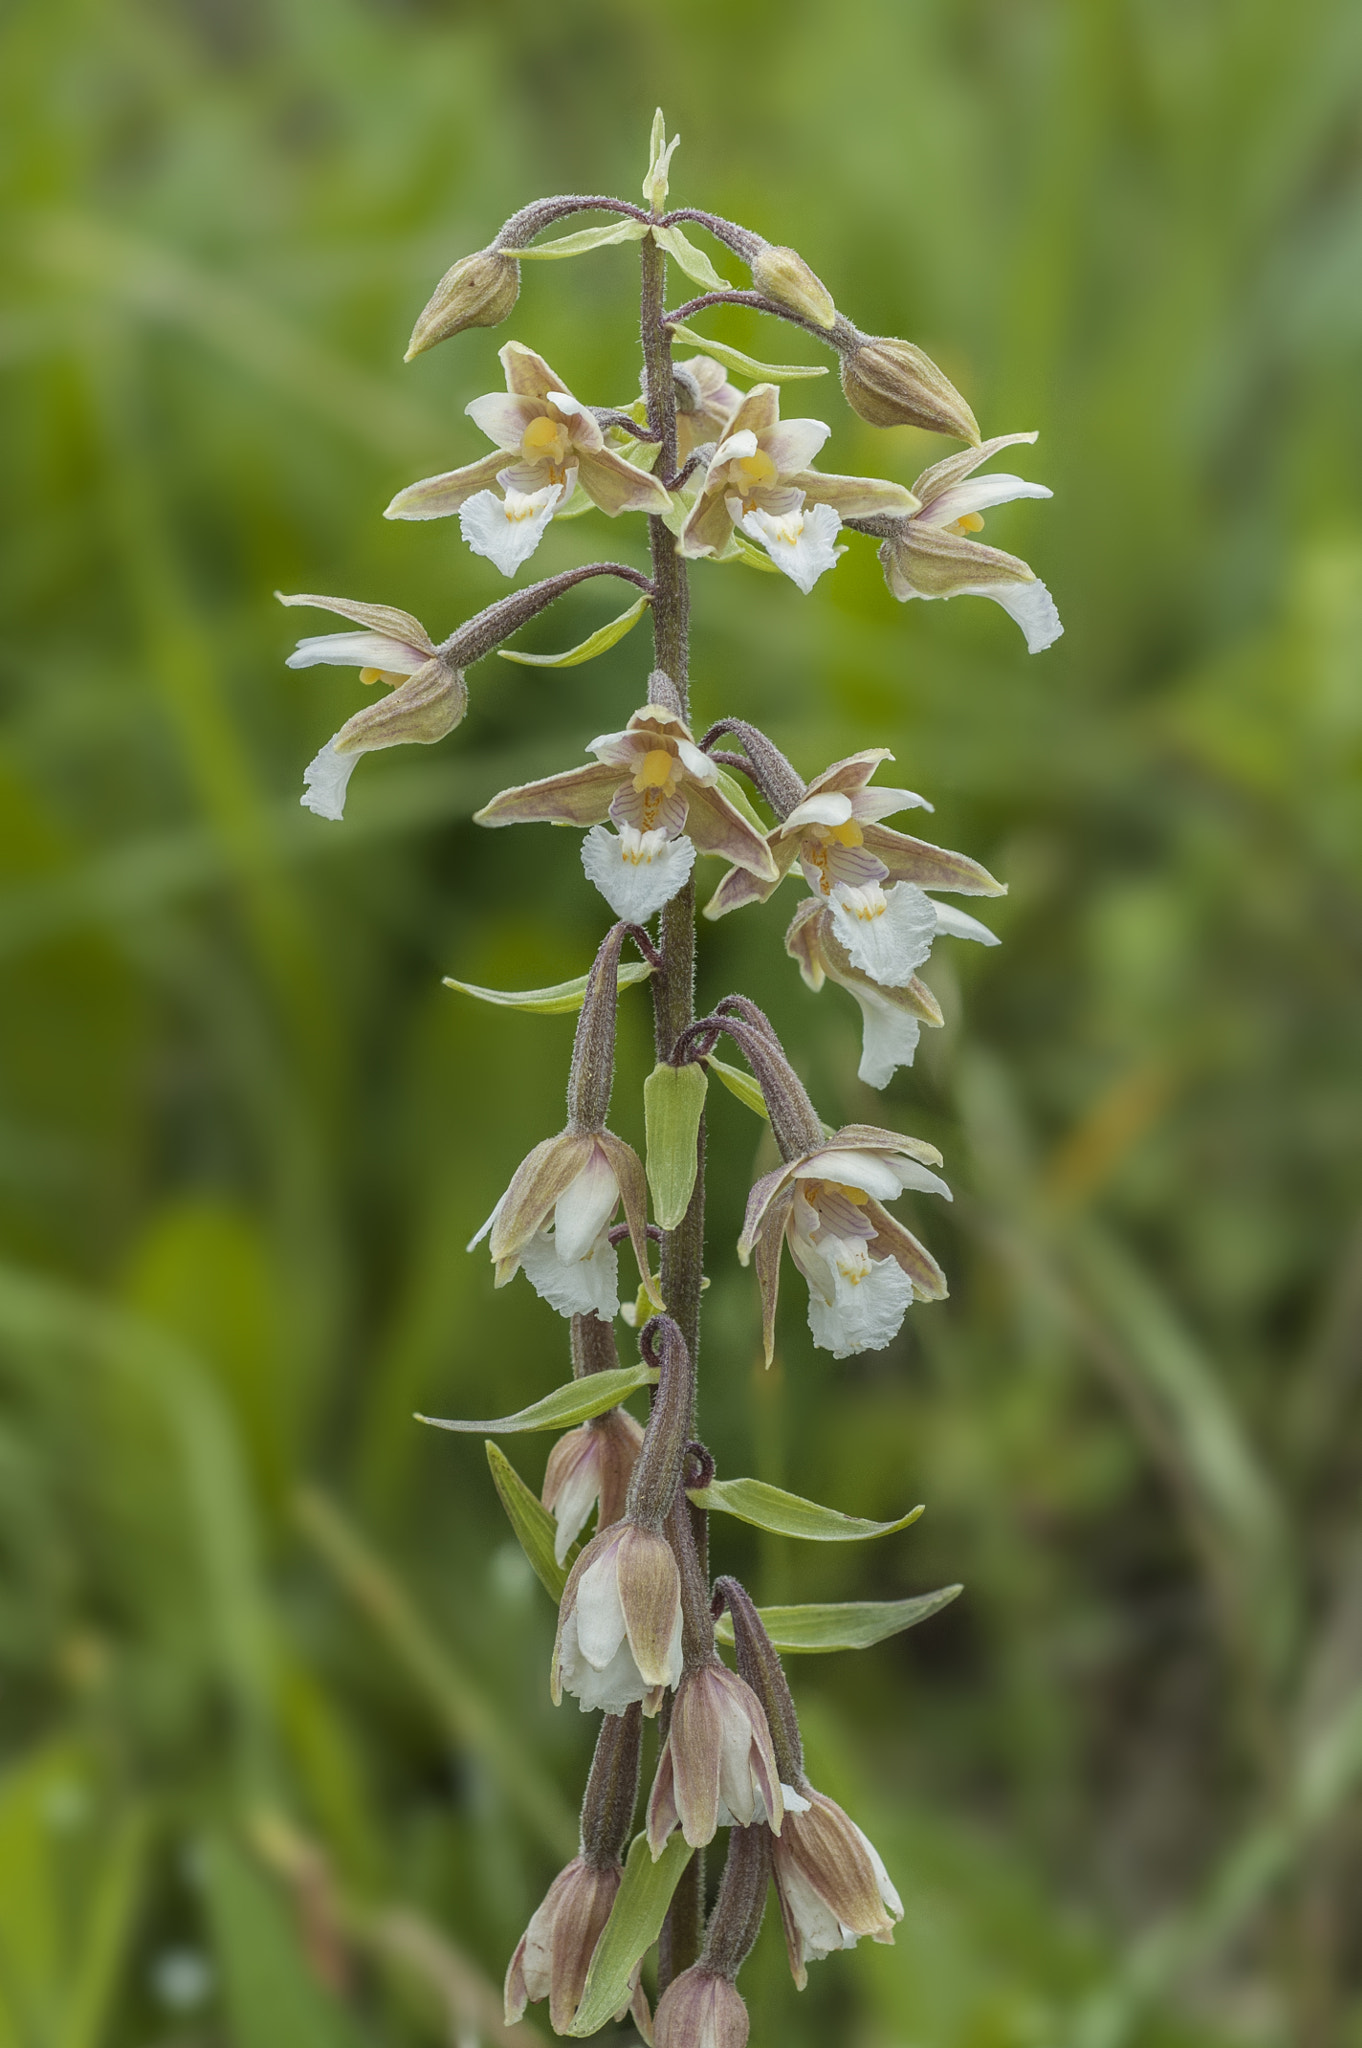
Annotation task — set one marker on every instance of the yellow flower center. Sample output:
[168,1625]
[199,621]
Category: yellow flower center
[849,834]
[391,677]
[654,771]
[750,472]
[547,440]
[968,522]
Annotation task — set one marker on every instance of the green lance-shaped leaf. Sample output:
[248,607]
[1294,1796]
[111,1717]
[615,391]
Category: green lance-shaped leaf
[531,1520]
[740,1084]
[848,1625]
[748,366]
[565,1407]
[673,1104]
[635,1922]
[596,643]
[584,239]
[785,1514]
[565,996]
[693,261]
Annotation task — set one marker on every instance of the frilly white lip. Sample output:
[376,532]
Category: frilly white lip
[508,529]
[325,781]
[800,543]
[637,872]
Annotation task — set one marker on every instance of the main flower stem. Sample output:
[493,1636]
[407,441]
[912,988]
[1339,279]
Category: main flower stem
[674,987]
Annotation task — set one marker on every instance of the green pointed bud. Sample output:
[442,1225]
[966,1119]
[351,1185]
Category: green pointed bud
[479,291]
[784,276]
[891,383]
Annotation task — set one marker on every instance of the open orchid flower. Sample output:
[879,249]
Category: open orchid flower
[553,1222]
[663,796]
[429,695]
[705,402]
[931,553]
[863,1268]
[759,478]
[835,834]
[546,444]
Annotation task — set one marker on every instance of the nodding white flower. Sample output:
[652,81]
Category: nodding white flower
[555,1952]
[862,1267]
[619,1623]
[892,1012]
[700,2009]
[763,464]
[799,542]
[507,530]
[429,695]
[931,553]
[888,935]
[590,1465]
[835,834]
[553,1222]
[652,777]
[705,402]
[554,442]
[717,1766]
[637,872]
[831,1882]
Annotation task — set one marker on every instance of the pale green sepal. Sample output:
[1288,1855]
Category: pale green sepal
[660,153]
[849,1625]
[534,1526]
[750,555]
[785,1514]
[558,1001]
[635,1922]
[565,1407]
[673,1104]
[748,366]
[576,506]
[740,1084]
[588,238]
[741,801]
[693,261]
[604,636]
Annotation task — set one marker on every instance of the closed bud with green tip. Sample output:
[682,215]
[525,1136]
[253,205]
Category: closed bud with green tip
[477,291]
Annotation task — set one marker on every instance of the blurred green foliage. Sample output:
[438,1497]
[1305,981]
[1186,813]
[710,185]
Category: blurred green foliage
[282,1764]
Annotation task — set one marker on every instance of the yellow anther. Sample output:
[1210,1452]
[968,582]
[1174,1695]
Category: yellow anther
[655,770]
[756,469]
[969,522]
[857,1196]
[544,440]
[849,834]
[369,676]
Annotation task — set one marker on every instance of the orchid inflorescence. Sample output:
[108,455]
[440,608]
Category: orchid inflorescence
[719,477]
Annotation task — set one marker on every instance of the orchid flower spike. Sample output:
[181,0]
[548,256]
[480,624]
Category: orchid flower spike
[546,444]
[931,553]
[863,1268]
[429,695]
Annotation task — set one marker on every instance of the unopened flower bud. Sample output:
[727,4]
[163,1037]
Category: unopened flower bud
[784,276]
[701,2009]
[478,291]
[891,383]
[590,1464]
[717,1768]
[619,1622]
[556,1949]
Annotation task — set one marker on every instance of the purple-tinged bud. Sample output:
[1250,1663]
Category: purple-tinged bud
[700,2009]
[783,276]
[555,1951]
[589,1465]
[717,1768]
[891,383]
[619,1623]
[477,291]
[832,1885]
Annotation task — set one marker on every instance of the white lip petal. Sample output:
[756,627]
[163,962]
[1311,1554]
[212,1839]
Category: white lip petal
[357,650]
[574,1503]
[891,943]
[636,872]
[960,926]
[325,781]
[479,1235]
[508,530]
[865,1314]
[589,1287]
[978,494]
[1033,608]
[889,1037]
[825,807]
[584,1209]
[888,1892]
[610,1689]
[799,543]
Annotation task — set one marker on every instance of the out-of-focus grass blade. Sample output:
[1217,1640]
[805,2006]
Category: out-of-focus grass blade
[785,1514]
[577,1401]
[273,1998]
[635,1922]
[848,1625]
[533,1524]
[560,1000]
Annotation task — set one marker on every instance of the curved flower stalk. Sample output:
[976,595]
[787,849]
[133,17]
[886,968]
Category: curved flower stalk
[429,695]
[863,1268]
[546,444]
[929,553]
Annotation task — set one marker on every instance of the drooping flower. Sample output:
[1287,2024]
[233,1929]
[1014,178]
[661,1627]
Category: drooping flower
[619,1622]
[760,479]
[717,1767]
[863,1268]
[831,1882]
[701,2009]
[589,1465]
[931,554]
[664,796]
[705,402]
[573,1183]
[555,1951]
[546,444]
[835,834]
[429,695]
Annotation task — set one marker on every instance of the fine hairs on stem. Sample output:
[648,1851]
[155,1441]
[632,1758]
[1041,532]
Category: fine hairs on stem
[718,477]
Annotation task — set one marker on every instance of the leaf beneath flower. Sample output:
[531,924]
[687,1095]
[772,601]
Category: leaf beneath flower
[565,1407]
[786,1514]
[635,1922]
[848,1625]
[584,239]
[740,1084]
[533,1524]
[604,636]
[562,998]
[734,359]
[693,261]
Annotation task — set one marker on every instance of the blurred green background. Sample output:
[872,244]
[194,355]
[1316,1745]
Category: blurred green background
[281,1767]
